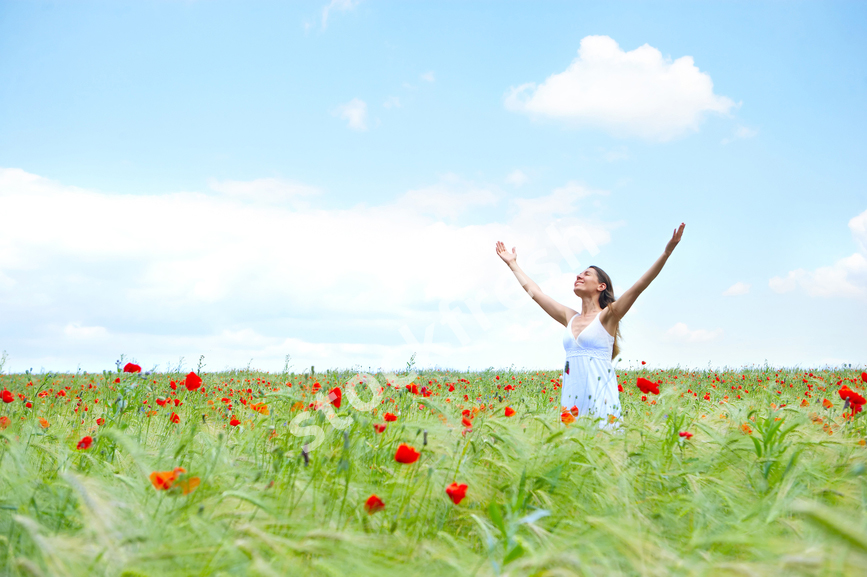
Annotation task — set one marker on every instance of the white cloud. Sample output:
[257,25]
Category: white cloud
[76,331]
[337,6]
[562,201]
[428,76]
[737,289]
[681,333]
[845,278]
[615,154]
[517,178]
[635,93]
[447,199]
[268,190]
[159,276]
[354,112]
[740,133]
[391,102]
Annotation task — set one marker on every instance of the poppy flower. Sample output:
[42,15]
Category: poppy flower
[45,424]
[647,386]
[465,421]
[260,408]
[827,404]
[100,421]
[234,422]
[567,417]
[373,504]
[456,492]
[509,411]
[379,427]
[7,396]
[406,454]
[192,381]
[4,422]
[175,418]
[685,434]
[864,377]
[117,380]
[163,480]
[335,395]
[747,430]
[84,443]
[574,410]
[189,484]
[619,388]
[131,368]
[389,417]
[162,402]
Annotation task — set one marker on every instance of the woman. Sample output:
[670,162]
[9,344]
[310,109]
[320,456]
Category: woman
[589,380]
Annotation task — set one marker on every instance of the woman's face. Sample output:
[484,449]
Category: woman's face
[588,283]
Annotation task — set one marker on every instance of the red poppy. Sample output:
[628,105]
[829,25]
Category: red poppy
[100,421]
[412,388]
[647,386]
[864,377]
[175,418]
[163,480]
[234,422]
[84,443]
[316,386]
[192,381]
[574,410]
[686,434]
[456,492]
[406,454]
[131,368]
[567,417]
[827,404]
[335,395]
[379,427]
[619,388]
[465,421]
[389,417]
[189,484]
[162,402]
[4,422]
[7,396]
[117,380]
[45,424]
[373,504]
[509,411]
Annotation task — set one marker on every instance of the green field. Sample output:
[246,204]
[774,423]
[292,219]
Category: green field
[771,481]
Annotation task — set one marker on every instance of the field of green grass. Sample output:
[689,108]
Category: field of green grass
[745,472]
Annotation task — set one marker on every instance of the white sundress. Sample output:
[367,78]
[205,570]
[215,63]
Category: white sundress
[589,379]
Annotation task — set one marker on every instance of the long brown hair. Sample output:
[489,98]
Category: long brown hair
[606,298]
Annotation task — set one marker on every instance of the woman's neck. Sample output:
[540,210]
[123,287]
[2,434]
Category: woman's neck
[590,306]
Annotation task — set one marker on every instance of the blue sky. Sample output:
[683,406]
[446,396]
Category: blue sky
[327,180]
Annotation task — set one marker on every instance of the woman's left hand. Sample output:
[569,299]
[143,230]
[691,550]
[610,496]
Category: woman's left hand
[675,238]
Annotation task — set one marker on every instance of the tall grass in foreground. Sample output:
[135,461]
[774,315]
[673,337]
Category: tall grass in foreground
[772,480]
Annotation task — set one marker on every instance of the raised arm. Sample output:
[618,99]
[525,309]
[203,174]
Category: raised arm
[622,305]
[558,312]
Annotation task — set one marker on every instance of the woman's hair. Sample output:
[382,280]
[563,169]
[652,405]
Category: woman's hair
[606,297]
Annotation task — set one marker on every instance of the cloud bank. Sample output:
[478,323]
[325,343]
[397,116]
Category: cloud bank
[845,278]
[244,271]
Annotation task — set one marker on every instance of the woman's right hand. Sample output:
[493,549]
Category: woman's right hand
[508,257]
